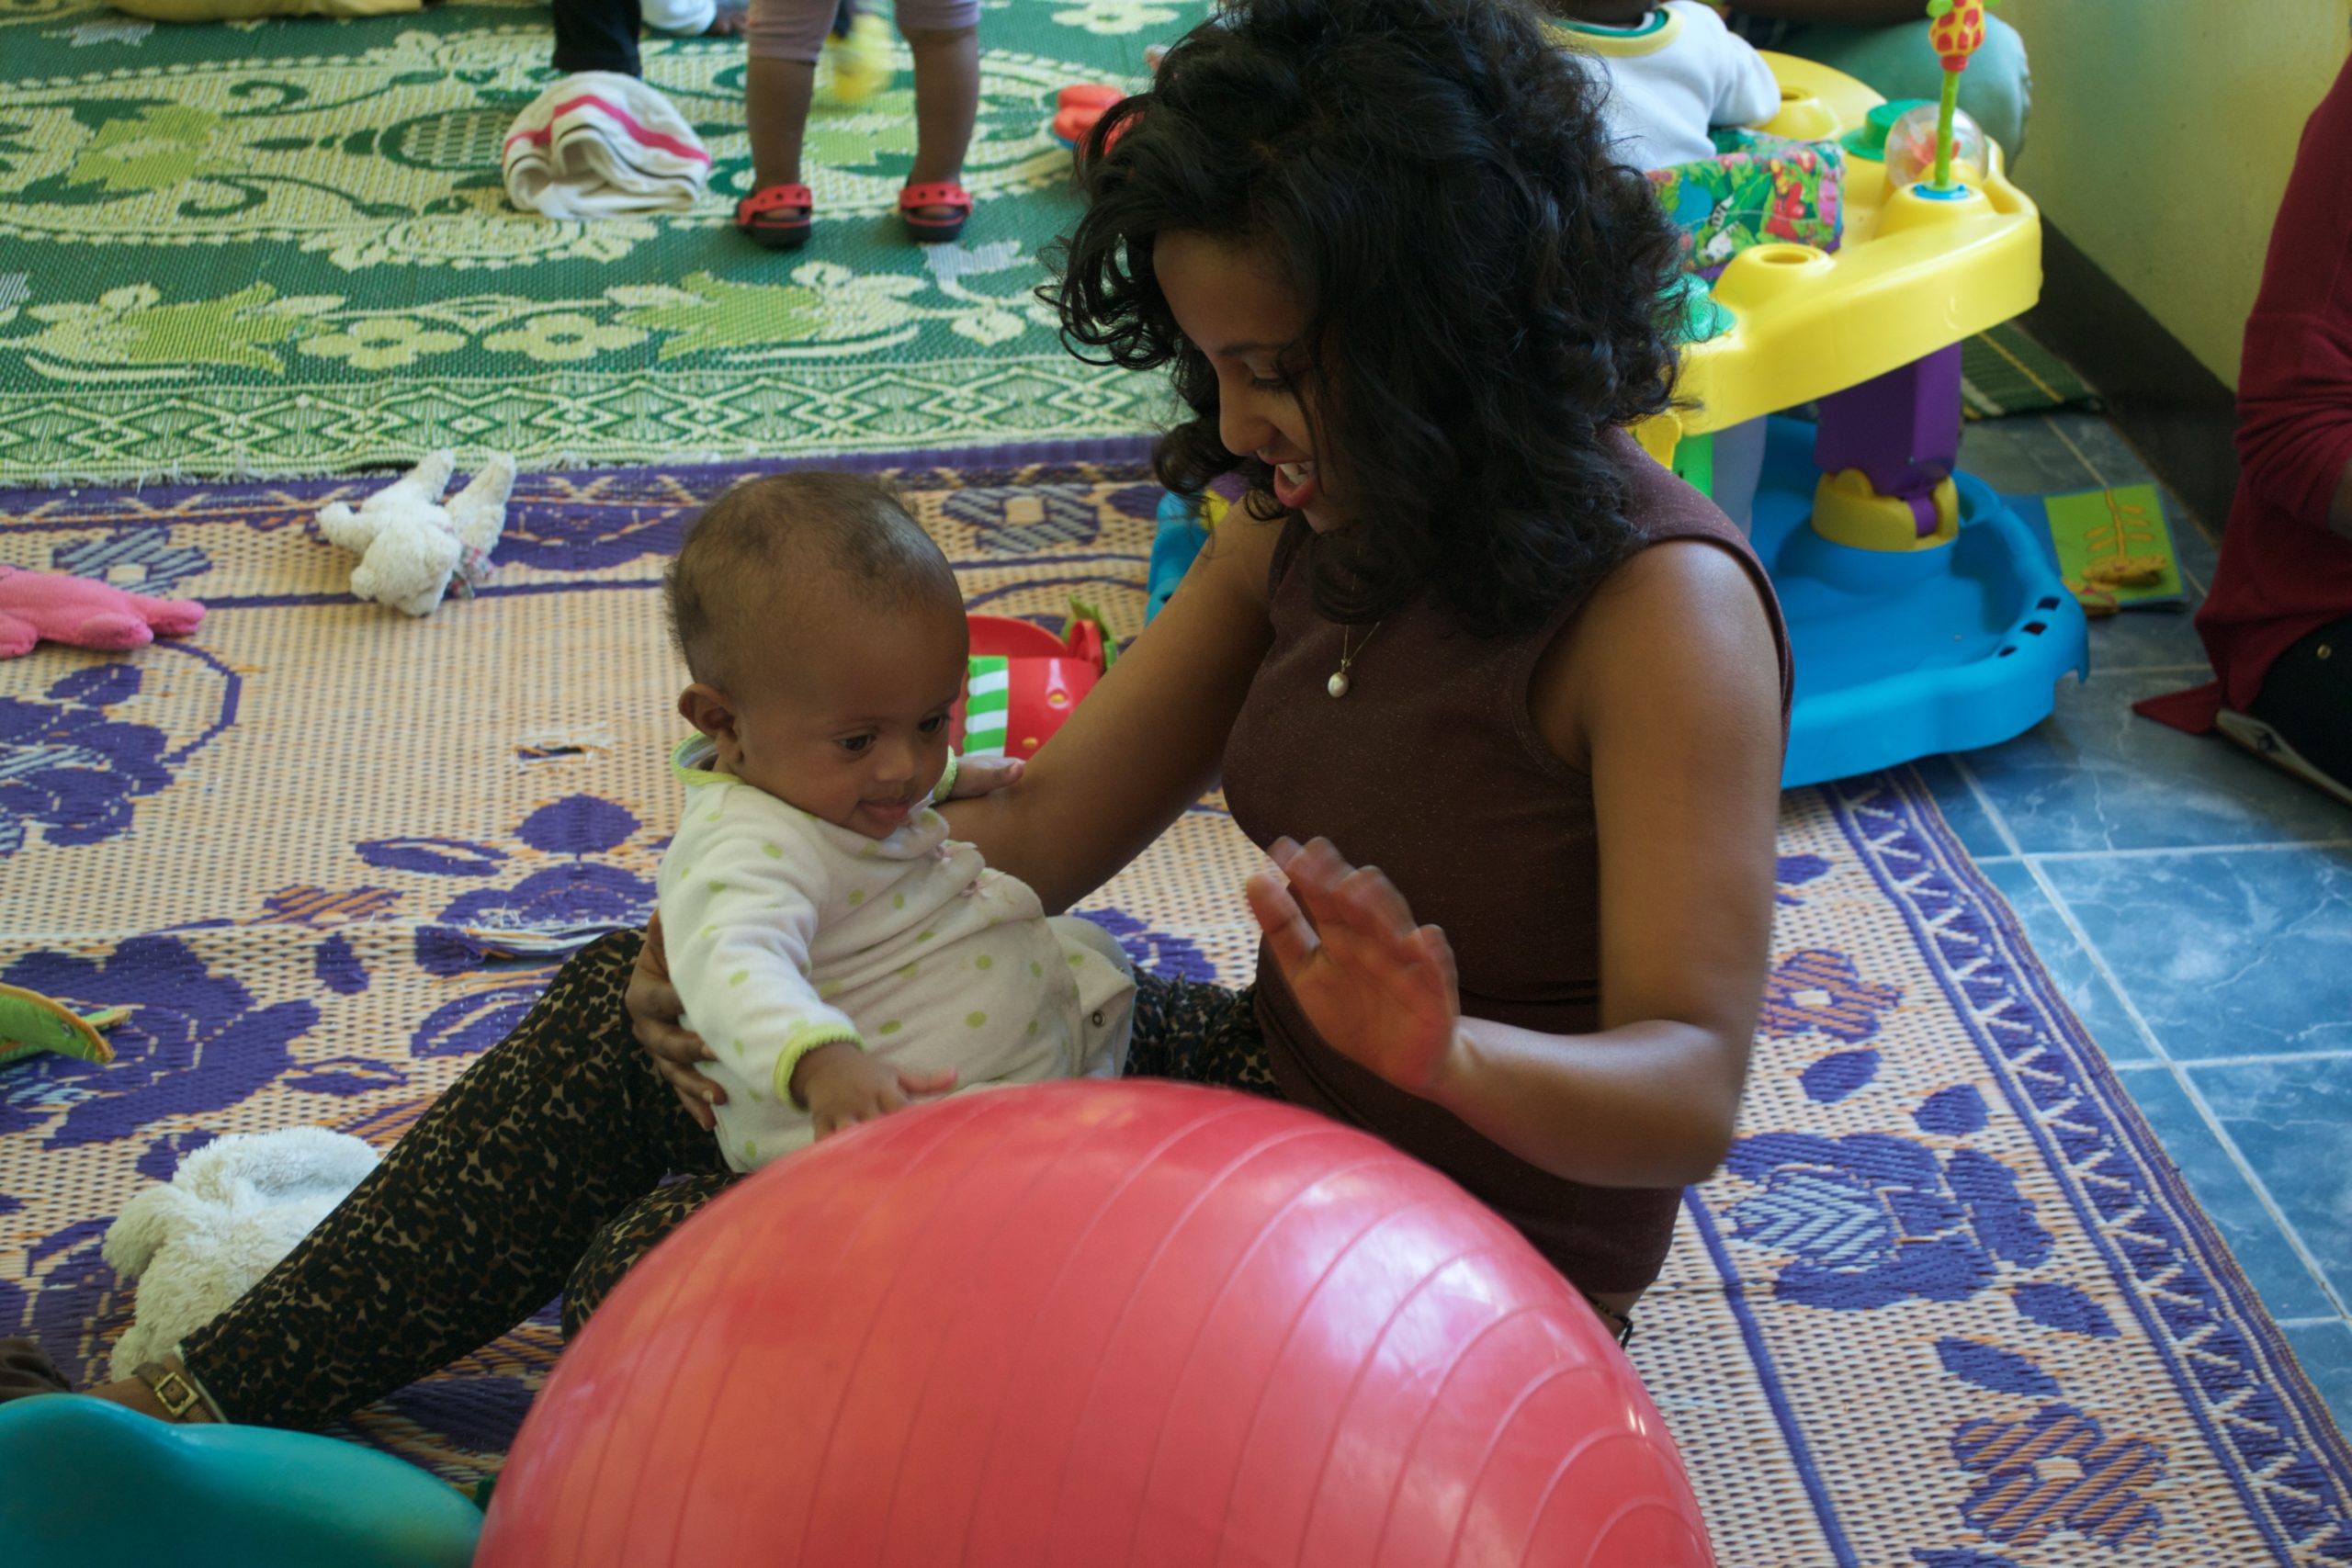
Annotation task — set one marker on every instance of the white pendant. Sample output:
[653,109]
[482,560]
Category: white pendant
[1337,685]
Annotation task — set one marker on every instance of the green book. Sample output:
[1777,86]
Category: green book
[2115,542]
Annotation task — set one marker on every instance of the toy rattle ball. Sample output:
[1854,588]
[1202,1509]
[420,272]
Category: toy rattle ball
[1911,153]
[1075,1324]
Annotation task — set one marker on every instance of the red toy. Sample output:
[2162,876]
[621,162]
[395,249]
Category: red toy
[1048,676]
[1078,1323]
[1077,108]
[52,606]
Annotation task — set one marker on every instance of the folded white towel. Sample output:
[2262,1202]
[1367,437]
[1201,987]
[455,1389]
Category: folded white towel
[599,144]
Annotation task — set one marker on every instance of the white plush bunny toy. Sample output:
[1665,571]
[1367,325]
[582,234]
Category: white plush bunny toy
[412,544]
[236,1206]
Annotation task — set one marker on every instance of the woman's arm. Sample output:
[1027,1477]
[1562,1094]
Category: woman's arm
[1667,688]
[1148,741]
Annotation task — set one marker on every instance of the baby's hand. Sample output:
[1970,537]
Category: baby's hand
[842,1086]
[984,776]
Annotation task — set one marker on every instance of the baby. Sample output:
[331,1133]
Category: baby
[1675,72]
[840,953]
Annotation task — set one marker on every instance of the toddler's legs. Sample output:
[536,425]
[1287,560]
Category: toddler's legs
[776,113]
[596,35]
[944,35]
[783,37]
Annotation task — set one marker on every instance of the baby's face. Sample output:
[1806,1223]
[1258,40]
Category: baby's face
[847,718]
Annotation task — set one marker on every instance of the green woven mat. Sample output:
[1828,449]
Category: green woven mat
[284,247]
[2006,371]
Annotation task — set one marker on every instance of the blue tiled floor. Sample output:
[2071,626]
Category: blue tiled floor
[2195,907]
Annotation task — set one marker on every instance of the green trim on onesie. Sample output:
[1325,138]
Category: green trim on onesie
[947,785]
[805,1038]
[687,773]
[1624,43]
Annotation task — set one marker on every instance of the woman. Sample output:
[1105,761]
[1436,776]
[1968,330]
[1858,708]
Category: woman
[1462,627]
[2278,624]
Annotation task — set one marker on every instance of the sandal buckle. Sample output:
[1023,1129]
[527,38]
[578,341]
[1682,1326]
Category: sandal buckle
[173,1392]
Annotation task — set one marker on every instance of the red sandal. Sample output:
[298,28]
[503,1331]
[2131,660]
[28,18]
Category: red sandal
[778,217]
[939,193]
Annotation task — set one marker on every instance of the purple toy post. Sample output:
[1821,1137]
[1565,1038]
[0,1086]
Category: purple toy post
[1902,430]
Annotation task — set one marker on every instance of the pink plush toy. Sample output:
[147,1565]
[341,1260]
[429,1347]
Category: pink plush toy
[35,606]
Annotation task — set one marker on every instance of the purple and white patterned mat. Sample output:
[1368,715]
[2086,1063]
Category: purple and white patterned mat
[1947,1305]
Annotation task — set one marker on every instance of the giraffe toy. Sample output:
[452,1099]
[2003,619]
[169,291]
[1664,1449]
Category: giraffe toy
[1957,30]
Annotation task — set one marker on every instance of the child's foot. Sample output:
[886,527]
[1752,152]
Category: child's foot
[778,217]
[935,212]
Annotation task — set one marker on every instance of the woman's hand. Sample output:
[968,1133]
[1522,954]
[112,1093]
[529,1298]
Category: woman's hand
[1380,988]
[654,1013]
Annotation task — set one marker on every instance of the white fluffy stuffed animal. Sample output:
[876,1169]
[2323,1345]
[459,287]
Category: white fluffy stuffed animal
[412,543]
[236,1206]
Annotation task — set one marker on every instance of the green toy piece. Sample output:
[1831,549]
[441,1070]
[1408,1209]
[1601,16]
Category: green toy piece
[31,1023]
[1082,614]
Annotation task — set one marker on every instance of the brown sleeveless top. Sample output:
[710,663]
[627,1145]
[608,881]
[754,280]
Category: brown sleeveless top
[1431,768]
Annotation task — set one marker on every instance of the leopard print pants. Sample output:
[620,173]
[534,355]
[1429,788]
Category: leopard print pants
[550,1167]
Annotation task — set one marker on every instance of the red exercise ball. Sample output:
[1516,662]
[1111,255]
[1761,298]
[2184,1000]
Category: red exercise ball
[1077,1324]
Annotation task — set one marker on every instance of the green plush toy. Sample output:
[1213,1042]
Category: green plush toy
[30,1023]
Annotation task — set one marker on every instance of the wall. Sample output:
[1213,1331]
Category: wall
[2161,137]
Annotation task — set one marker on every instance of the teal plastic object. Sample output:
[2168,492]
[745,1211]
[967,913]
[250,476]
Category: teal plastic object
[1907,655]
[1179,539]
[84,1483]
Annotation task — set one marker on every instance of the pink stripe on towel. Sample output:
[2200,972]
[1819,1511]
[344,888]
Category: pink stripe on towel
[667,143]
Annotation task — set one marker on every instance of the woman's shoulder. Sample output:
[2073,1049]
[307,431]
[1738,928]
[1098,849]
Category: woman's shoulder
[1691,599]
[1685,627]
[1661,504]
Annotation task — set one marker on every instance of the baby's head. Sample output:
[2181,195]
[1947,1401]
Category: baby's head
[825,637]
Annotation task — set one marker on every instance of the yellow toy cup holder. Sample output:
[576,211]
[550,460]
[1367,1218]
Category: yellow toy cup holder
[1805,116]
[1765,272]
[1923,206]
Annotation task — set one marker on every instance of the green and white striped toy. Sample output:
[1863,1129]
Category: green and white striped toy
[988,706]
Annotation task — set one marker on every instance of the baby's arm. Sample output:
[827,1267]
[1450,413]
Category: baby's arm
[740,905]
[1746,93]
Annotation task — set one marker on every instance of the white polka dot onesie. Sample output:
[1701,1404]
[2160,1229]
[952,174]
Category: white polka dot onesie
[785,932]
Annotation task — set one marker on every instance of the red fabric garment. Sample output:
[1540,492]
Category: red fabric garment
[2284,573]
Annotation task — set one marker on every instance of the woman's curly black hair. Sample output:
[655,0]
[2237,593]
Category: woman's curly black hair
[1483,285]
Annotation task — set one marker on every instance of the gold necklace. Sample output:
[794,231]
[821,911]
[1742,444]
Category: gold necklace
[1337,685]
